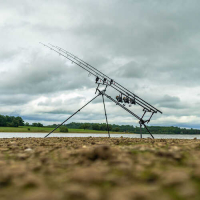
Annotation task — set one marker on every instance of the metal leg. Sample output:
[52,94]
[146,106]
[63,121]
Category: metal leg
[142,122]
[144,114]
[140,130]
[106,115]
[148,131]
[72,115]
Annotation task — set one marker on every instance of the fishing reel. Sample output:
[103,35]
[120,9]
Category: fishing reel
[119,98]
[132,101]
[97,79]
[125,100]
[104,80]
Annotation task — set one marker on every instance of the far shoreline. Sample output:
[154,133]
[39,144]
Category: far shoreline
[45,129]
[122,133]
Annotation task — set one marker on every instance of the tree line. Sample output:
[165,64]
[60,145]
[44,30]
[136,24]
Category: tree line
[131,129]
[34,124]
[11,121]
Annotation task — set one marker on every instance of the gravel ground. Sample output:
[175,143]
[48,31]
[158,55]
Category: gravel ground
[99,169]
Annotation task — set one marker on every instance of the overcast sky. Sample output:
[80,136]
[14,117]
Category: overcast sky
[150,47]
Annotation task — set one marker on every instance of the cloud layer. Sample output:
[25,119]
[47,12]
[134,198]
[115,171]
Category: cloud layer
[152,48]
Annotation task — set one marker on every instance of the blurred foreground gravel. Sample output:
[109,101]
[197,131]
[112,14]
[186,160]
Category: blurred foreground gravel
[99,169]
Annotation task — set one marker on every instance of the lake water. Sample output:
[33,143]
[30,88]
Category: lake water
[41,135]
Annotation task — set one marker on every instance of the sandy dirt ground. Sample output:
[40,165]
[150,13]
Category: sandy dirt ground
[99,169]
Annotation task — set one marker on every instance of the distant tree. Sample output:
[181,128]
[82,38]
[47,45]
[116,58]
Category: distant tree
[20,121]
[95,126]
[82,126]
[64,129]
[2,120]
[37,124]
[34,124]
[103,127]
[11,121]
[85,126]
[15,123]
[110,127]
[26,124]
[116,129]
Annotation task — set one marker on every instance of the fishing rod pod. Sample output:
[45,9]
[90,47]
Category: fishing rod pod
[125,97]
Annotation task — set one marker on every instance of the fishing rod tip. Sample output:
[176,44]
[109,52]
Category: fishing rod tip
[51,44]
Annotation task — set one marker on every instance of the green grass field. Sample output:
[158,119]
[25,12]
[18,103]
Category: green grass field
[25,129]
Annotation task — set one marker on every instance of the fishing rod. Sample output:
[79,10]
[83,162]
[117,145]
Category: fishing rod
[102,79]
[116,86]
[75,59]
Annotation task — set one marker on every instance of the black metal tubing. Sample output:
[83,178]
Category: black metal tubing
[131,114]
[72,115]
[122,106]
[69,59]
[148,130]
[144,114]
[106,115]
[150,117]
[144,103]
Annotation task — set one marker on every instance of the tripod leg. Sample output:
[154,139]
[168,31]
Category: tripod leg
[148,131]
[71,116]
[106,115]
[140,130]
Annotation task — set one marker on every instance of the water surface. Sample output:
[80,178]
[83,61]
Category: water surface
[41,135]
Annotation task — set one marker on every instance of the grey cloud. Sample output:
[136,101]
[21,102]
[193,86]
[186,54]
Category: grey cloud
[19,99]
[170,102]
[151,47]
[161,37]
[151,30]
[8,54]
[132,70]
[59,102]
[42,75]
[170,99]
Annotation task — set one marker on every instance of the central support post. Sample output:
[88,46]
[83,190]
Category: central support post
[140,130]
[106,116]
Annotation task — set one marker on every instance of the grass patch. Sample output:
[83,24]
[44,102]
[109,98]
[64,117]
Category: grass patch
[31,129]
